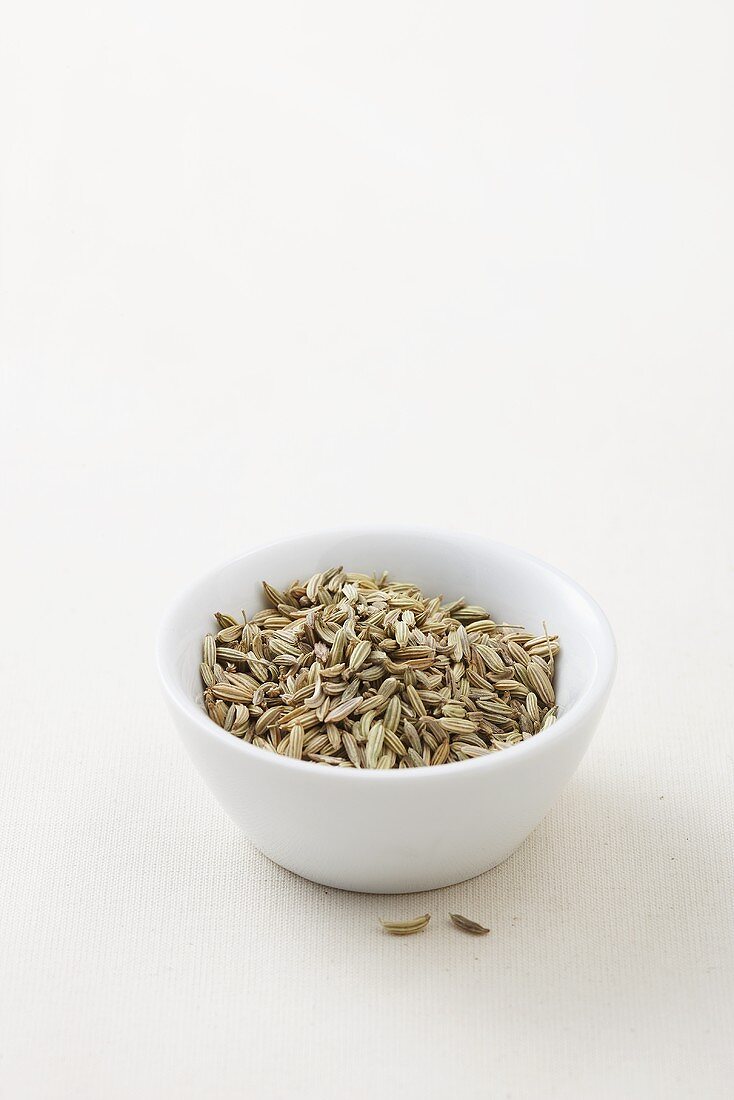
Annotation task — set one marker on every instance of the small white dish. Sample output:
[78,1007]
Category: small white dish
[401,830]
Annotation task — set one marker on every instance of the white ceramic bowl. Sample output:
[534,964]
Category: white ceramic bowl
[401,830]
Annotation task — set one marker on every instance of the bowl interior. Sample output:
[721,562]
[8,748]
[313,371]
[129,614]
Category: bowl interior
[512,585]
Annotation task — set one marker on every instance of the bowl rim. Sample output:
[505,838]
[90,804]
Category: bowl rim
[594,695]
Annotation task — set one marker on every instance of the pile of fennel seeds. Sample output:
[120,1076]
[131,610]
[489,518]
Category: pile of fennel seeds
[356,671]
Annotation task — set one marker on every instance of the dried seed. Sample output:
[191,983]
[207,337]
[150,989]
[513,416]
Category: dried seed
[517,652]
[341,710]
[352,750]
[467,925]
[230,634]
[441,754]
[415,700]
[209,651]
[359,655]
[515,687]
[374,745]
[295,745]
[392,714]
[468,749]
[276,598]
[227,655]
[469,614]
[549,719]
[540,683]
[242,718]
[457,725]
[393,742]
[405,927]
[269,718]
[224,620]
[337,648]
[231,692]
[411,736]
[335,737]
[388,687]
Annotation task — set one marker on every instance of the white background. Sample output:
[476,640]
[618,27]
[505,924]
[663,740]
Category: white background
[268,267]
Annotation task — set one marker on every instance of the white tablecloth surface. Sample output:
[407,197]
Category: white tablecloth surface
[270,267]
